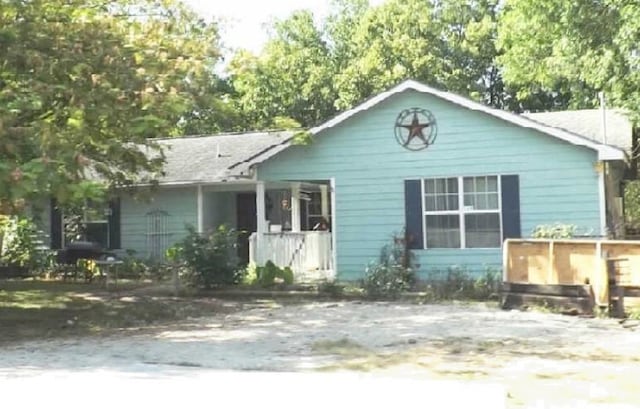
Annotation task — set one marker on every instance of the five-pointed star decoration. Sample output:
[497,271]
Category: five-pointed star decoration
[415,129]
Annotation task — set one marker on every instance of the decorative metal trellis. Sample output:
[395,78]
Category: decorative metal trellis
[157,234]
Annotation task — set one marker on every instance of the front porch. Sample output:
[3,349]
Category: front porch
[289,223]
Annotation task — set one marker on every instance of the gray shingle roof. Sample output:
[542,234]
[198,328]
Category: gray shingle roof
[588,123]
[214,158]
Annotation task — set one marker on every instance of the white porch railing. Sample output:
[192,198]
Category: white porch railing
[308,253]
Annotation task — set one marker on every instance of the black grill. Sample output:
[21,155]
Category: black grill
[82,250]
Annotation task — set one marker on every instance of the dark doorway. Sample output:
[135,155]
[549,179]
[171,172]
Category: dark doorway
[246,217]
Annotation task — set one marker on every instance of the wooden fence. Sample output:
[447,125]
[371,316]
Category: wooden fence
[573,262]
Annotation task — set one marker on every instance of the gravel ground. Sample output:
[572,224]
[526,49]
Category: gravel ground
[541,360]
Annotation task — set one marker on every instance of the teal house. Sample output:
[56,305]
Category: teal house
[456,176]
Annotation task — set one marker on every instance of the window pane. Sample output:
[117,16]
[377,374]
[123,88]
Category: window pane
[441,194]
[469,200]
[481,193]
[481,184]
[452,184]
[429,186]
[492,183]
[482,230]
[492,201]
[452,202]
[98,233]
[430,203]
[481,201]
[443,231]
[468,185]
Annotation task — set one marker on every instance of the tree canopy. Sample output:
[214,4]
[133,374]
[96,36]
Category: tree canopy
[85,83]
[571,50]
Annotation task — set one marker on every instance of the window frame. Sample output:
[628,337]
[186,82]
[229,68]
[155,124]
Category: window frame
[87,220]
[461,212]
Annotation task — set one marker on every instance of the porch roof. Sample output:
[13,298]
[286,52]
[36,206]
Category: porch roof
[215,158]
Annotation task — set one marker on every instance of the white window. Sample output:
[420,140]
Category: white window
[462,212]
[314,210]
[90,224]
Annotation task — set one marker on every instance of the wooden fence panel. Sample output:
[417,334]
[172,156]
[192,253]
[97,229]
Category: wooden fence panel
[572,262]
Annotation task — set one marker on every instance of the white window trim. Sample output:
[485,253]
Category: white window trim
[461,212]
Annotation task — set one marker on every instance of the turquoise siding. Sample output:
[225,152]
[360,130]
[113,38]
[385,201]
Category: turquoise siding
[558,182]
[219,208]
[180,205]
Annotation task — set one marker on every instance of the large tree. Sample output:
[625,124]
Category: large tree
[292,78]
[85,83]
[309,70]
[568,51]
[450,45]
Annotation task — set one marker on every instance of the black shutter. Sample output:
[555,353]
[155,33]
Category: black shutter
[114,223]
[510,207]
[55,225]
[413,214]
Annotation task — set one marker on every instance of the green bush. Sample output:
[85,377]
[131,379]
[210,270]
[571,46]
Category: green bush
[267,275]
[456,283]
[21,244]
[211,259]
[393,273]
[554,231]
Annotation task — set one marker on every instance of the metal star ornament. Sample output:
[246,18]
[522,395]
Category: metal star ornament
[415,129]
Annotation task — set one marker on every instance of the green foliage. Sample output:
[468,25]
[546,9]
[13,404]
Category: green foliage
[84,84]
[308,71]
[250,276]
[554,231]
[393,273]
[456,283]
[570,50]
[211,258]
[20,244]
[632,203]
[302,138]
[268,275]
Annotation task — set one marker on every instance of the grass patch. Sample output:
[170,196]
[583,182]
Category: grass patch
[31,310]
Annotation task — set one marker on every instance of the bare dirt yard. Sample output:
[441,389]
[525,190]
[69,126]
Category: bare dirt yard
[539,359]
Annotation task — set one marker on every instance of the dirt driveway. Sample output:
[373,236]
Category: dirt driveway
[541,360]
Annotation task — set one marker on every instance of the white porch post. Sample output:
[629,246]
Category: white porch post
[334,229]
[295,207]
[260,222]
[200,216]
[324,202]
[260,208]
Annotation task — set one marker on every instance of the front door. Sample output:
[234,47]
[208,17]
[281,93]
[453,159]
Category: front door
[247,222]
